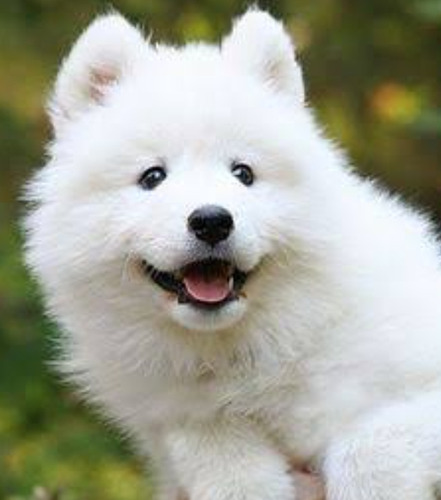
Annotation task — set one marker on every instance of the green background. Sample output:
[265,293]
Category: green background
[373,70]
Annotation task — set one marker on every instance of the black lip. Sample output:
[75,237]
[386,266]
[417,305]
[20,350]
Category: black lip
[170,282]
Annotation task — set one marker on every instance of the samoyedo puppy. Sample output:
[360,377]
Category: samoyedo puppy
[230,292]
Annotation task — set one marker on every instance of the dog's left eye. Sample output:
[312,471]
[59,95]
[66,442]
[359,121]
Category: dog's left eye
[243,173]
[152,177]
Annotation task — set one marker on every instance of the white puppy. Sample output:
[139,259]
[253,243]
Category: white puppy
[230,292]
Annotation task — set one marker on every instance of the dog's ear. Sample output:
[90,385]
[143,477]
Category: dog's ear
[103,55]
[260,44]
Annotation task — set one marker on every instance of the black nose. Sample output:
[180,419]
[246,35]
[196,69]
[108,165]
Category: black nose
[211,223]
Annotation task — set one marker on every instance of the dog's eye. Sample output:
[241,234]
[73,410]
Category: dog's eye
[244,173]
[152,177]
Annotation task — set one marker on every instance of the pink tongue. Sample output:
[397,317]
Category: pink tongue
[207,289]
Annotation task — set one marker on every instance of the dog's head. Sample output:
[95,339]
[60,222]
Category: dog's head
[178,180]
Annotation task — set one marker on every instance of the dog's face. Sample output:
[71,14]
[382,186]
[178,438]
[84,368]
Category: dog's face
[178,176]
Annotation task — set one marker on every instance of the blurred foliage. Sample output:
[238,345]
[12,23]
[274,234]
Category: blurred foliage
[374,74]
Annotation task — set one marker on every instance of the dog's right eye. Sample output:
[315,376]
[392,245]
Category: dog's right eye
[152,177]
[243,173]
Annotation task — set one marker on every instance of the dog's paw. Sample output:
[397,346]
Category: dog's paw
[368,469]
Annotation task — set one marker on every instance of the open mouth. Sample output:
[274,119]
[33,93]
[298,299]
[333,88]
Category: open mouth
[208,283]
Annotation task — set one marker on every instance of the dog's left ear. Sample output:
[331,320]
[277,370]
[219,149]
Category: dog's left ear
[259,44]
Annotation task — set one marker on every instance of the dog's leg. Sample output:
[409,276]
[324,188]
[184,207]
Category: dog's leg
[308,487]
[394,454]
[166,486]
[229,461]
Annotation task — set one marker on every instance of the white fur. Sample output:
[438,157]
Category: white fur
[332,360]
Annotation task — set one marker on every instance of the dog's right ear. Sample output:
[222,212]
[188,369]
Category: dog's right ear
[102,57]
